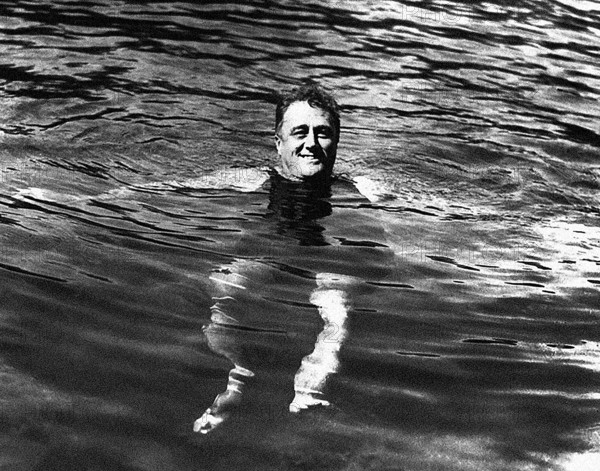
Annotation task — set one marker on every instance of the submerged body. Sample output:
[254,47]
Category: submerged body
[245,318]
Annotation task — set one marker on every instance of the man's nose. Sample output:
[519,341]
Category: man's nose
[311,141]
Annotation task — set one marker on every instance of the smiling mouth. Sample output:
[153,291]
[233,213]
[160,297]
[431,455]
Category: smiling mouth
[310,158]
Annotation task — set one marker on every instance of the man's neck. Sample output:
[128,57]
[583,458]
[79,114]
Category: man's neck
[314,180]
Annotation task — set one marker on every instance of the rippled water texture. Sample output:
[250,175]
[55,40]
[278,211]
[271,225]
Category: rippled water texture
[474,347]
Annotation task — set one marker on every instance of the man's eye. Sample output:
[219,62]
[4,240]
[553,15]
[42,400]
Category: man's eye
[324,132]
[299,134]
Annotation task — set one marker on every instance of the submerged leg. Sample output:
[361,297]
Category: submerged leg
[226,402]
[228,286]
[311,378]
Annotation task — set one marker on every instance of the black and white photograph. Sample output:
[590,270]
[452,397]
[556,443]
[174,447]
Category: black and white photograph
[286,235]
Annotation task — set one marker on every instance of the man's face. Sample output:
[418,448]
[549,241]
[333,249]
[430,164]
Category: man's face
[306,142]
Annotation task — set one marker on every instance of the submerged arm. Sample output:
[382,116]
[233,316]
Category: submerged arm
[238,179]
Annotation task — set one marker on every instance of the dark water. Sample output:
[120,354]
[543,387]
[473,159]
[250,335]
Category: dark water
[475,347]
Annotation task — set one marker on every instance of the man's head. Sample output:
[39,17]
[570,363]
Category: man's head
[307,131]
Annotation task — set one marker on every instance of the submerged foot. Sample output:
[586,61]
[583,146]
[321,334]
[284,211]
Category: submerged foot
[304,400]
[222,408]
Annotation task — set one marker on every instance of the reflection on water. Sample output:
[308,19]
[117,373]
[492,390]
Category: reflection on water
[475,346]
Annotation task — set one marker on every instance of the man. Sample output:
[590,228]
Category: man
[307,124]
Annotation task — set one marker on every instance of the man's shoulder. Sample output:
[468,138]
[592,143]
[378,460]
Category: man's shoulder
[372,190]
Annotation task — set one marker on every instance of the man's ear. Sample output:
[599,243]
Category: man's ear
[277,143]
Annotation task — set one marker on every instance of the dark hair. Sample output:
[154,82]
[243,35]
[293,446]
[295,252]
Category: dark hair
[316,97]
